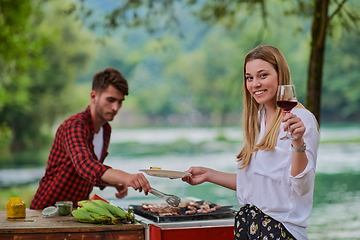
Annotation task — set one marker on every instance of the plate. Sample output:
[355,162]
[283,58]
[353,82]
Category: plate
[165,173]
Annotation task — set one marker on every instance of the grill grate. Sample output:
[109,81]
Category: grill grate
[223,212]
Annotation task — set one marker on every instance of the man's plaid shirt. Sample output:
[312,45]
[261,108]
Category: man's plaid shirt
[72,168]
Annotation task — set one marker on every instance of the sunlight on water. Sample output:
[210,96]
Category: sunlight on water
[340,133]
[334,158]
[336,221]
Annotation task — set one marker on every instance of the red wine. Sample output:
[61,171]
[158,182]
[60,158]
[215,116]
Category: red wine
[286,105]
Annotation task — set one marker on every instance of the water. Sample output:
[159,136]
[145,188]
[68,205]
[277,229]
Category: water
[336,212]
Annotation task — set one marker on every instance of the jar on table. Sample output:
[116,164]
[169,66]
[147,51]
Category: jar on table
[15,208]
[64,207]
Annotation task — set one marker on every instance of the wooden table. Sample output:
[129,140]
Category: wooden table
[35,227]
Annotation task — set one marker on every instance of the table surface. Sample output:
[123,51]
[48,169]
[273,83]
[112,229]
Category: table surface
[34,222]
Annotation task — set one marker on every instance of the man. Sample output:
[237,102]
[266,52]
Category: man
[75,163]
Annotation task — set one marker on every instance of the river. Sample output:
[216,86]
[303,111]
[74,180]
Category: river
[335,214]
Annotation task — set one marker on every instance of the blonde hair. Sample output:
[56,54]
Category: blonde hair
[251,121]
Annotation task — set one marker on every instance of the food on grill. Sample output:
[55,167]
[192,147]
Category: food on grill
[206,207]
[161,209]
[191,207]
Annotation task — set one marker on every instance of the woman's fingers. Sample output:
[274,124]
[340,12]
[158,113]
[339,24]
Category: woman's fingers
[294,125]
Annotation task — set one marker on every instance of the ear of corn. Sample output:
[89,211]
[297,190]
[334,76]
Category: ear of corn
[117,212]
[102,213]
[93,207]
[82,215]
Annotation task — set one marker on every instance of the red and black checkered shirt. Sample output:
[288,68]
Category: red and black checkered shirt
[72,168]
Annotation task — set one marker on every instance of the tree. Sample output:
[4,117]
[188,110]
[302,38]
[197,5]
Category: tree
[19,50]
[44,51]
[322,23]
[325,16]
[341,86]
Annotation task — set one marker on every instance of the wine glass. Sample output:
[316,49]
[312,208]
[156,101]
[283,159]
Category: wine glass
[286,100]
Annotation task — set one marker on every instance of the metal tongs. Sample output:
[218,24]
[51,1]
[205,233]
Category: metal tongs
[170,199]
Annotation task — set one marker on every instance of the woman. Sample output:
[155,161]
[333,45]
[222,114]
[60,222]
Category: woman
[275,178]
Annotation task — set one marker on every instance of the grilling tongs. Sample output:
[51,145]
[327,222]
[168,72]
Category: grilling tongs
[170,199]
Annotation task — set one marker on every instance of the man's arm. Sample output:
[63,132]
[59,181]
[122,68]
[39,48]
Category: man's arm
[137,181]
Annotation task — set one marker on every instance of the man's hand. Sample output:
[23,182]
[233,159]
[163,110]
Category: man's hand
[138,182]
[122,190]
[116,177]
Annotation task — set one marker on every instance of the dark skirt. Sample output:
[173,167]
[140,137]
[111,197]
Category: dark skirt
[251,223]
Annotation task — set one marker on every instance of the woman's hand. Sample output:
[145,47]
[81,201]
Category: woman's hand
[202,174]
[198,175]
[297,129]
[294,125]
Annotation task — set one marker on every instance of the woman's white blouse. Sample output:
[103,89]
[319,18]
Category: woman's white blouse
[267,183]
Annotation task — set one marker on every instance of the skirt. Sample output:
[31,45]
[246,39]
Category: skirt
[251,223]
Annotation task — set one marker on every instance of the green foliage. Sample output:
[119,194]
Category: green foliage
[5,141]
[341,83]
[269,22]
[38,92]
[19,50]
[198,73]
[16,35]
[192,77]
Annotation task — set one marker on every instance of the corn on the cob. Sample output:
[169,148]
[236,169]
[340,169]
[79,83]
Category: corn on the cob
[116,211]
[82,215]
[98,211]
[93,207]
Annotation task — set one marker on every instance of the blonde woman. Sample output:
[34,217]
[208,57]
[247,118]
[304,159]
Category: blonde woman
[275,178]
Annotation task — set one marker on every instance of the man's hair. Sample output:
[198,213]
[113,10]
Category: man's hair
[110,76]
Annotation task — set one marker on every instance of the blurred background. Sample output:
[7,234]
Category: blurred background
[183,60]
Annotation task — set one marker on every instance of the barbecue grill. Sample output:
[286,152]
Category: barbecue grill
[200,226]
[223,212]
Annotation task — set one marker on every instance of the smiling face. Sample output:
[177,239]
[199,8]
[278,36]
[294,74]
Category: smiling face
[261,81]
